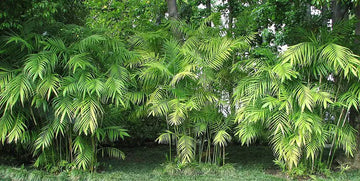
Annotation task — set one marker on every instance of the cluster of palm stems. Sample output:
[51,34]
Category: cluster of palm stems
[301,100]
[180,78]
[53,93]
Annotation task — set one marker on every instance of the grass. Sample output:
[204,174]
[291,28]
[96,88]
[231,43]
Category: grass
[148,163]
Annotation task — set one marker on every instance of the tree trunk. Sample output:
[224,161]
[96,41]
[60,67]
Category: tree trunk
[172,9]
[173,14]
[208,7]
[231,15]
[208,10]
[357,14]
[70,147]
[339,11]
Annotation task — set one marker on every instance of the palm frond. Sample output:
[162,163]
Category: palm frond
[347,138]
[55,45]
[181,75]
[300,54]
[21,41]
[305,97]
[19,87]
[165,138]
[50,84]
[248,131]
[87,111]
[112,152]
[340,58]
[186,149]
[6,124]
[217,51]
[82,61]
[83,153]
[178,114]
[17,130]
[115,90]
[39,64]
[285,71]
[64,107]
[49,132]
[154,72]
[222,138]
[115,132]
[87,42]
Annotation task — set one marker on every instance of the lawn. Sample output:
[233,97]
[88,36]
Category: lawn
[148,163]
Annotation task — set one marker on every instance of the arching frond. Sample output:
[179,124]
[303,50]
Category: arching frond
[17,130]
[340,58]
[165,138]
[49,132]
[347,138]
[115,90]
[83,153]
[279,123]
[112,152]
[284,71]
[159,105]
[6,75]
[154,72]
[322,98]
[81,61]
[55,45]
[136,97]
[305,97]
[112,133]
[217,51]
[202,97]
[350,100]
[18,88]
[6,124]
[21,41]
[222,138]
[50,84]
[300,54]
[119,72]
[39,64]
[181,75]
[306,125]
[316,144]
[87,42]
[178,114]
[95,86]
[87,111]
[171,50]
[159,108]
[248,131]
[186,148]
[64,107]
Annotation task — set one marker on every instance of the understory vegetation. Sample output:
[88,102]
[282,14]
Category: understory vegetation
[144,163]
[83,82]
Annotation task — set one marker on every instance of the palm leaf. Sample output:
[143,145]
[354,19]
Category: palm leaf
[18,129]
[112,152]
[186,148]
[222,138]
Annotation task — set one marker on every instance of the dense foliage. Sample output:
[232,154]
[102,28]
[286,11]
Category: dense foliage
[80,78]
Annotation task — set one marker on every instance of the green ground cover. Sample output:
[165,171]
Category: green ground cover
[149,163]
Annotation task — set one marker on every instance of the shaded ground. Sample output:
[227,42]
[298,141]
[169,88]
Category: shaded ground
[147,163]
